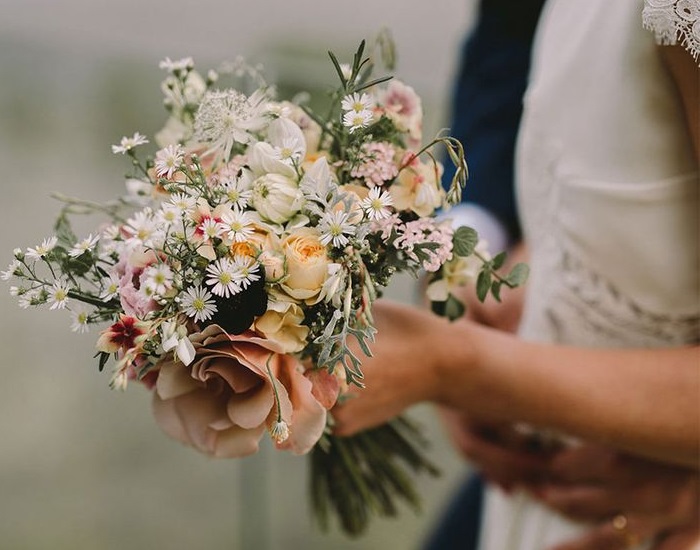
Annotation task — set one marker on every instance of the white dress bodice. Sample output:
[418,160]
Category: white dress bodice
[608,193]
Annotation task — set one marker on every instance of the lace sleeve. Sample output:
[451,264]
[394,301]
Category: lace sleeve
[674,22]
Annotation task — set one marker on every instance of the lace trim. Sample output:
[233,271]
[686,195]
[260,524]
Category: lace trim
[674,22]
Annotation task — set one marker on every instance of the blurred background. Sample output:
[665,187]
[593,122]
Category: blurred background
[82,467]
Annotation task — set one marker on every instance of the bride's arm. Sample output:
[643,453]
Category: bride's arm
[685,73]
[640,400]
[643,401]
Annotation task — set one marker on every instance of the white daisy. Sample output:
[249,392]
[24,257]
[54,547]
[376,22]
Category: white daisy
[86,245]
[169,160]
[290,151]
[355,120]
[211,229]
[198,302]
[223,278]
[80,320]
[357,103]
[376,204]
[335,227]
[238,224]
[110,288]
[58,295]
[43,249]
[238,192]
[246,270]
[15,268]
[128,143]
[168,215]
[158,279]
[183,203]
[141,226]
[29,298]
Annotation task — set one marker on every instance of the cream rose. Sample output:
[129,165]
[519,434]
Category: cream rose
[307,264]
[223,402]
[282,323]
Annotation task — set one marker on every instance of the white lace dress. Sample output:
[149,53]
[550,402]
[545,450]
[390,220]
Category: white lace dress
[608,190]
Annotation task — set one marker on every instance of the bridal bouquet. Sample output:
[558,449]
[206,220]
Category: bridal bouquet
[235,277]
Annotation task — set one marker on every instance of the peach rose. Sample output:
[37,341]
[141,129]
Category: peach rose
[307,264]
[283,323]
[222,403]
[418,188]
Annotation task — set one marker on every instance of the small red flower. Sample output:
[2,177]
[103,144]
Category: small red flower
[124,334]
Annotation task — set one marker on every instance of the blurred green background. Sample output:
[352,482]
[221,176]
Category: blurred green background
[82,467]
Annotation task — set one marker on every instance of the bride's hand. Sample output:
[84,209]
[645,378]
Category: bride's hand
[594,484]
[401,371]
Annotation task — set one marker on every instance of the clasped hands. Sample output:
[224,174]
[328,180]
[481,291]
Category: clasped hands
[588,483]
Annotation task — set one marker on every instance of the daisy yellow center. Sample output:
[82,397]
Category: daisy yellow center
[198,304]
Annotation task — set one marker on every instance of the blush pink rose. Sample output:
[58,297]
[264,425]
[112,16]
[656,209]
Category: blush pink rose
[222,403]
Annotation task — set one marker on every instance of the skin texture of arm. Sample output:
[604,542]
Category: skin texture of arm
[640,400]
[685,73]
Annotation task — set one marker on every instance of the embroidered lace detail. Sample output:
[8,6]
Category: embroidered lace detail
[674,22]
[593,306]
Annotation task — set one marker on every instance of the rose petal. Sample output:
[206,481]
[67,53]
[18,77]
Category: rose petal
[309,416]
[174,380]
[238,376]
[325,386]
[237,442]
[249,410]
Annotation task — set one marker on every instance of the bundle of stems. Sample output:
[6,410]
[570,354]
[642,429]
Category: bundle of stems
[368,474]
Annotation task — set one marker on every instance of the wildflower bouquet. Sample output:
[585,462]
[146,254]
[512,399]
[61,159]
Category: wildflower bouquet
[240,267]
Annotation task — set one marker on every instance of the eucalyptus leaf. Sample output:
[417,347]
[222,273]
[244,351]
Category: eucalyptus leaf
[496,290]
[483,284]
[498,261]
[464,241]
[518,275]
[454,308]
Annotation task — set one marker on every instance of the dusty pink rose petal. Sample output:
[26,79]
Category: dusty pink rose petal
[325,386]
[222,403]
[308,416]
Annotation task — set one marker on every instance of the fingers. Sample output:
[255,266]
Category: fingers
[682,539]
[500,462]
[590,483]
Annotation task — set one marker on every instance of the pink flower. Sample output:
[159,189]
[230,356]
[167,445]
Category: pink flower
[133,299]
[377,164]
[403,106]
[222,403]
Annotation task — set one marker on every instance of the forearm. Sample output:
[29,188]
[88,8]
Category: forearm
[640,400]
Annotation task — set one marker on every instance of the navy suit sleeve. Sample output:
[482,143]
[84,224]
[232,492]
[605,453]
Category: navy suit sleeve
[487,104]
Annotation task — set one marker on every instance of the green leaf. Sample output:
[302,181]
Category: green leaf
[483,284]
[104,357]
[373,83]
[464,241]
[336,64]
[498,261]
[518,275]
[454,308]
[496,290]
